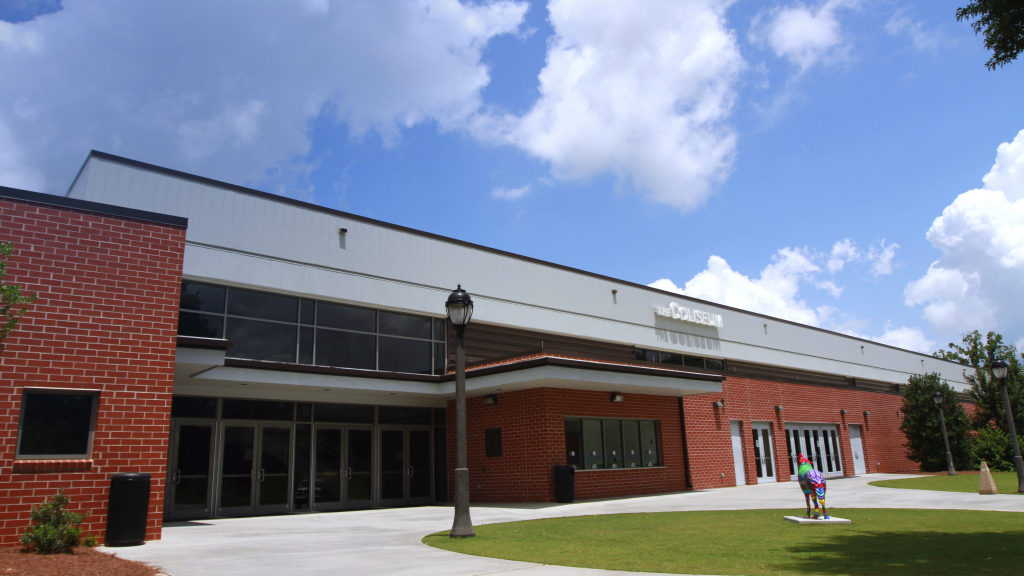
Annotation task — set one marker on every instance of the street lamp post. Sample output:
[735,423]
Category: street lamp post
[460,309]
[999,371]
[938,398]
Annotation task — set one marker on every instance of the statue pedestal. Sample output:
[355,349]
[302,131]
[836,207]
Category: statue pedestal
[832,520]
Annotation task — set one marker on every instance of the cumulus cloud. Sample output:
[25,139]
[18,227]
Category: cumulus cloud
[900,23]
[510,194]
[1007,175]
[907,338]
[638,90]
[881,258]
[228,89]
[804,35]
[842,252]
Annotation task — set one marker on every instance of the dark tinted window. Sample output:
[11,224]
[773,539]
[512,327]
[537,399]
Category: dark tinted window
[262,305]
[438,329]
[648,444]
[55,424]
[236,409]
[403,415]
[305,345]
[343,413]
[440,355]
[346,349]
[193,407]
[646,355]
[714,364]
[202,297]
[593,451]
[440,418]
[402,355]
[574,443]
[404,325]
[201,325]
[670,358]
[257,340]
[304,412]
[492,442]
[307,311]
[345,317]
[613,443]
[631,444]
[694,361]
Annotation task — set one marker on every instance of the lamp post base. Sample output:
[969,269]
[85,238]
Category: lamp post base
[1019,465]
[463,526]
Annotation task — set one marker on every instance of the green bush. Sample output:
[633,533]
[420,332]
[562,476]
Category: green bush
[55,530]
[921,425]
[992,445]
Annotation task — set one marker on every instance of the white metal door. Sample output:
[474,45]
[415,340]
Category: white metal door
[857,448]
[737,453]
[764,463]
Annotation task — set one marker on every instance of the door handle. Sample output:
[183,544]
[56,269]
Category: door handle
[348,473]
[261,476]
[410,471]
[176,477]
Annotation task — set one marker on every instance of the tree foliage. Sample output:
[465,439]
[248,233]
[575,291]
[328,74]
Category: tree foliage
[922,428]
[1003,25]
[985,388]
[13,303]
[55,530]
[992,445]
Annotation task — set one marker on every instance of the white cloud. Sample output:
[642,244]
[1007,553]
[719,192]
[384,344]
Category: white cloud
[802,34]
[1007,175]
[923,40]
[830,287]
[638,90]
[775,292]
[228,89]
[881,258]
[510,194]
[842,252]
[907,338]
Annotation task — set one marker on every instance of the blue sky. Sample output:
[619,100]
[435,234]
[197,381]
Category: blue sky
[786,157]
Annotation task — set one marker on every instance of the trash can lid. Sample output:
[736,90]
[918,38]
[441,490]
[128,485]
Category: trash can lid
[131,476]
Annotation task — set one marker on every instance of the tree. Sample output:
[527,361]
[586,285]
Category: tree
[921,425]
[13,304]
[1003,23]
[985,392]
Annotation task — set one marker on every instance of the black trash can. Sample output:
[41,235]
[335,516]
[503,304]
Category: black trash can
[565,484]
[128,509]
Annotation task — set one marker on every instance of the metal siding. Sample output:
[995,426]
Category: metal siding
[415,274]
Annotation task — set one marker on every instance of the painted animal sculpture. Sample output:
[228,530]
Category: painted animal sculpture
[813,485]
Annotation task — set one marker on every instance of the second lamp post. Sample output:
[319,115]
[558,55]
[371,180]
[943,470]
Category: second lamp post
[460,310]
[938,398]
[999,367]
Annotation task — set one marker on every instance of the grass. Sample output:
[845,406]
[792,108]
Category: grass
[762,543]
[1006,483]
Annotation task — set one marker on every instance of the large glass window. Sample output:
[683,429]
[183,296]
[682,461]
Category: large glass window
[56,424]
[280,328]
[661,357]
[596,444]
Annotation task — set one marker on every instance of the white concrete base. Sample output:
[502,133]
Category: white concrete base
[832,520]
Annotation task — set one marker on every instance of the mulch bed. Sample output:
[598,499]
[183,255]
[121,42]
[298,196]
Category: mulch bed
[84,562]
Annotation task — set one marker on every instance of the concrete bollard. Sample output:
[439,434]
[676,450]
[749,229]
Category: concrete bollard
[988,485]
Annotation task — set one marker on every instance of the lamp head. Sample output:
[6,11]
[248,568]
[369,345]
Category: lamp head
[459,307]
[938,397]
[999,368]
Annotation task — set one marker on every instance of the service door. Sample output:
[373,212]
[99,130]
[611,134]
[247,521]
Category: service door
[764,463]
[857,447]
[737,453]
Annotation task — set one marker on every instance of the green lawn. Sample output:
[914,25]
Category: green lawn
[1006,483]
[761,542]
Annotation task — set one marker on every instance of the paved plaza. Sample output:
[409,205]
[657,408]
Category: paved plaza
[388,541]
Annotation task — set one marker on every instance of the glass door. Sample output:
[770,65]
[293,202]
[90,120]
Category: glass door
[359,472]
[255,469]
[763,458]
[342,461]
[273,472]
[819,443]
[191,457]
[406,471]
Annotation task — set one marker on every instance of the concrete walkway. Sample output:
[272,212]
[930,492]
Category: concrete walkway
[388,541]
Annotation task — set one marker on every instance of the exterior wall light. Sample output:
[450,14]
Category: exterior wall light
[843,412]
[617,397]
[779,408]
[460,309]
[342,231]
[866,413]
[719,403]
[490,400]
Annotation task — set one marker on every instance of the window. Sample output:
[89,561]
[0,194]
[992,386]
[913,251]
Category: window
[656,357]
[595,444]
[56,424]
[280,328]
[492,440]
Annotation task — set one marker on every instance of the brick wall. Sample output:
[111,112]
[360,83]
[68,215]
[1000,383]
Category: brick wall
[533,442]
[748,400]
[105,319]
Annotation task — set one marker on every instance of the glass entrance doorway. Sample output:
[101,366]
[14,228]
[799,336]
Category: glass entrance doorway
[255,469]
[819,443]
[342,460]
[406,473]
[188,486]
[763,454]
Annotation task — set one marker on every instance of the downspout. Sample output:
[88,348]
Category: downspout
[686,450]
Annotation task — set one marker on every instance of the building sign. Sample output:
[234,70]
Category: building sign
[689,315]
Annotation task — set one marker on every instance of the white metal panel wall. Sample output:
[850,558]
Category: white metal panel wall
[239,238]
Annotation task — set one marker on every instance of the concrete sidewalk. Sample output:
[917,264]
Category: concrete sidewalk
[388,541]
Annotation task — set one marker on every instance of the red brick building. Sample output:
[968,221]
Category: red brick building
[260,355]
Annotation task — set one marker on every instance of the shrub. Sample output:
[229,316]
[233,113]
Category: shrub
[54,529]
[992,445]
[921,425]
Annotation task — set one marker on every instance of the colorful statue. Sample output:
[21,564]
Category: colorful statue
[813,485]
